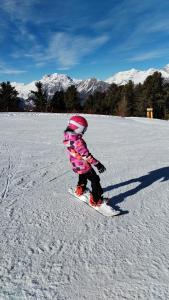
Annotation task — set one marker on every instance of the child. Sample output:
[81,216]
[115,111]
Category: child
[82,160]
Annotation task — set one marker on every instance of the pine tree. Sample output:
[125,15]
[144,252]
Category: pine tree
[40,98]
[166,97]
[154,94]
[57,103]
[129,96]
[139,107]
[89,105]
[100,103]
[112,98]
[8,97]
[72,100]
[121,107]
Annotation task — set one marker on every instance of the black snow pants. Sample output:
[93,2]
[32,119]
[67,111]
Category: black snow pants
[97,190]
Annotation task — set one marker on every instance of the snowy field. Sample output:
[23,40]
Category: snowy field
[53,247]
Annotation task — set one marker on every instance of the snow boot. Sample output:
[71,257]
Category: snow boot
[93,203]
[80,189]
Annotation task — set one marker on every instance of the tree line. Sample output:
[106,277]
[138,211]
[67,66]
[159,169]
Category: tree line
[123,100]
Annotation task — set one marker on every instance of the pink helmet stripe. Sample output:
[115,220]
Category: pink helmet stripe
[76,124]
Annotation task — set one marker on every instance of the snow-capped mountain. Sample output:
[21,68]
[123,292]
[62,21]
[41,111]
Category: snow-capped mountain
[24,89]
[57,82]
[136,76]
[51,83]
[89,86]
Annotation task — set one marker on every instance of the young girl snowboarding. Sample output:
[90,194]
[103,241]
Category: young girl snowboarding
[82,160]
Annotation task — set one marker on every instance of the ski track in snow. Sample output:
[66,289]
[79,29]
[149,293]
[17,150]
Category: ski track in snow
[52,247]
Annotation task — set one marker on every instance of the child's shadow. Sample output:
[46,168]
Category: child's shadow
[145,181]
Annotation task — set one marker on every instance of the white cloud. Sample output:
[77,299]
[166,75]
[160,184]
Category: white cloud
[148,55]
[61,14]
[64,50]
[138,23]
[67,50]
[19,9]
[160,25]
[10,71]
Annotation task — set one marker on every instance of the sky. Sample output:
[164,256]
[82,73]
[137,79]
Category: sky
[82,39]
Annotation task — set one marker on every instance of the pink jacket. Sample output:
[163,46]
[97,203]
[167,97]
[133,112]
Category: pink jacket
[79,155]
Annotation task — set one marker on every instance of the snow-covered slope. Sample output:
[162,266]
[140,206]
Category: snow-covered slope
[136,76]
[54,248]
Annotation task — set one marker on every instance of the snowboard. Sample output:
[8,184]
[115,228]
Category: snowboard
[104,209]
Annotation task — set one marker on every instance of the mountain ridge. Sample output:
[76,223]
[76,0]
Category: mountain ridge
[57,82]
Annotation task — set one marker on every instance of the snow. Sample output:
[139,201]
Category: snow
[57,82]
[51,83]
[137,76]
[52,247]
[24,90]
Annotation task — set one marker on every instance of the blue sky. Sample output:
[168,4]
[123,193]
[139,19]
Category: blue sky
[83,39]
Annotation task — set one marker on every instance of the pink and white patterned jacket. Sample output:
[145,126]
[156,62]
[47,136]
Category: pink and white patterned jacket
[79,155]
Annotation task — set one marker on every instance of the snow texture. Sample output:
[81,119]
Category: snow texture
[52,247]
[104,209]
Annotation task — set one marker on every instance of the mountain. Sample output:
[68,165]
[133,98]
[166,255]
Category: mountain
[89,86]
[57,82]
[136,76]
[51,83]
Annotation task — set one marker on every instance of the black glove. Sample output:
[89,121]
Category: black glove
[100,167]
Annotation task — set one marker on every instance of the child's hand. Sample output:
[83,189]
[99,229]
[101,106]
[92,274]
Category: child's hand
[100,167]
